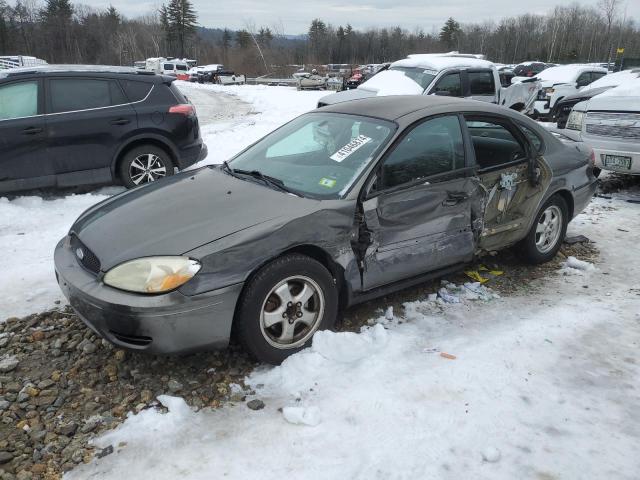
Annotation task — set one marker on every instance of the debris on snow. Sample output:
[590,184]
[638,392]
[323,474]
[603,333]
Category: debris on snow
[452,293]
[448,356]
[302,415]
[255,404]
[576,239]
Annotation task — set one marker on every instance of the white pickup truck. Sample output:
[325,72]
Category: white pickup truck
[452,75]
[558,82]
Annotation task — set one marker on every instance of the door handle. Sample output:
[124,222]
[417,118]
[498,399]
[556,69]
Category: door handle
[454,198]
[120,121]
[31,131]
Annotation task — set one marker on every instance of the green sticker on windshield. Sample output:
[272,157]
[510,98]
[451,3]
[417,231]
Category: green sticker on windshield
[327,182]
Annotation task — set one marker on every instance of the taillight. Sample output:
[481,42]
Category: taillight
[592,158]
[183,109]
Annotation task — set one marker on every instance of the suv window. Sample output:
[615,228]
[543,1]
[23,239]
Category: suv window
[136,91]
[493,143]
[72,94]
[450,83]
[167,66]
[431,148]
[481,83]
[584,79]
[18,100]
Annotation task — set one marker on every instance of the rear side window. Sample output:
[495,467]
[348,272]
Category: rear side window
[451,84]
[72,94]
[533,137]
[136,91]
[18,100]
[168,66]
[494,144]
[434,147]
[481,83]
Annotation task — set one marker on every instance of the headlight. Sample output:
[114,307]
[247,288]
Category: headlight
[575,120]
[152,274]
[549,91]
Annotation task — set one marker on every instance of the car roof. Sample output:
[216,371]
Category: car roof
[393,107]
[63,69]
[439,62]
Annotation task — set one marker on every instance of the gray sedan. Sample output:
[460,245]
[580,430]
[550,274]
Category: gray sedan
[341,205]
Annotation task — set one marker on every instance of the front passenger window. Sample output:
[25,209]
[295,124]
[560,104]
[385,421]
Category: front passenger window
[433,147]
[18,100]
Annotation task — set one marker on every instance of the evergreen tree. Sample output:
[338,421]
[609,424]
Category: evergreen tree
[243,39]
[450,33]
[178,20]
[264,37]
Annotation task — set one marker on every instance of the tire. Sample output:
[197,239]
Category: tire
[133,168]
[286,279]
[546,235]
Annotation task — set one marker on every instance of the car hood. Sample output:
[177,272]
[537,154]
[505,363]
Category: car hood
[608,103]
[584,94]
[179,214]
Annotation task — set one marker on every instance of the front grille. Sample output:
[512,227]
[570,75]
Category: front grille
[613,124]
[89,259]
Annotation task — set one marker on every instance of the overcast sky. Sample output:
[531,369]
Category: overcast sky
[294,16]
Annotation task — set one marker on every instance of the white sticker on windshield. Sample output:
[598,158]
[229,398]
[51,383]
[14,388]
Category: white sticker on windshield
[350,147]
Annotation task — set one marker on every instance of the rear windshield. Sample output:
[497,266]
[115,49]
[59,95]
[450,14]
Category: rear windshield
[178,94]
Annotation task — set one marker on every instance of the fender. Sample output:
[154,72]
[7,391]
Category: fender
[149,135]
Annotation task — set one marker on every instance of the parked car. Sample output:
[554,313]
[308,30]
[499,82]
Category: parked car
[338,206]
[558,82]
[75,125]
[609,123]
[529,69]
[453,75]
[168,66]
[563,107]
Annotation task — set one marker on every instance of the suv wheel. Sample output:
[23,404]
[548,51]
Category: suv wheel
[283,305]
[144,164]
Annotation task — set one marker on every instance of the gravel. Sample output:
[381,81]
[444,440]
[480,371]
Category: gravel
[60,385]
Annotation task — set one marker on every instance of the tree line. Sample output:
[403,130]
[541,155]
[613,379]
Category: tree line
[63,32]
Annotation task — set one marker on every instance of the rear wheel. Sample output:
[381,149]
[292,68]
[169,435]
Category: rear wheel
[145,164]
[547,233]
[283,305]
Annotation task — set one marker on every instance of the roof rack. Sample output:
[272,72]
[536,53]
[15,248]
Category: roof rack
[74,68]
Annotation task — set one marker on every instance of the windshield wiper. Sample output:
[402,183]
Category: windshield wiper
[268,180]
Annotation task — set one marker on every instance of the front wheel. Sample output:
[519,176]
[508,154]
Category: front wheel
[283,305]
[547,233]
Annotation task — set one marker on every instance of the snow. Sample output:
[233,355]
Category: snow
[565,73]
[391,82]
[31,226]
[614,79]
[438,62]
[629,88]
[537,385]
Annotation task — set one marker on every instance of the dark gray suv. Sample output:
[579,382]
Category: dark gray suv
[74,125]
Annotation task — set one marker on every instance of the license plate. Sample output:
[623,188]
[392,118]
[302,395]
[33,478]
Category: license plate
[617,161]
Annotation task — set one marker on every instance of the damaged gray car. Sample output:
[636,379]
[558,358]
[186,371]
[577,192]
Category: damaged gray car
[341,205]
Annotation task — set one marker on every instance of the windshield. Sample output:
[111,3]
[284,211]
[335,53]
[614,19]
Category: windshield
[419,75]
[319,155]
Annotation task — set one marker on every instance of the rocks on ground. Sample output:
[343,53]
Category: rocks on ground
[60,385]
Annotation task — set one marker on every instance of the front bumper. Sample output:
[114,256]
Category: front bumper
[164,324]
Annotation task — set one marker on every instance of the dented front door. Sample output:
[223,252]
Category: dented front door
[417,230]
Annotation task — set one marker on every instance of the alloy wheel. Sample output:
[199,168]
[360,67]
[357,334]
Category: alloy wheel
[548,229]
[147,168]
[292,312]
